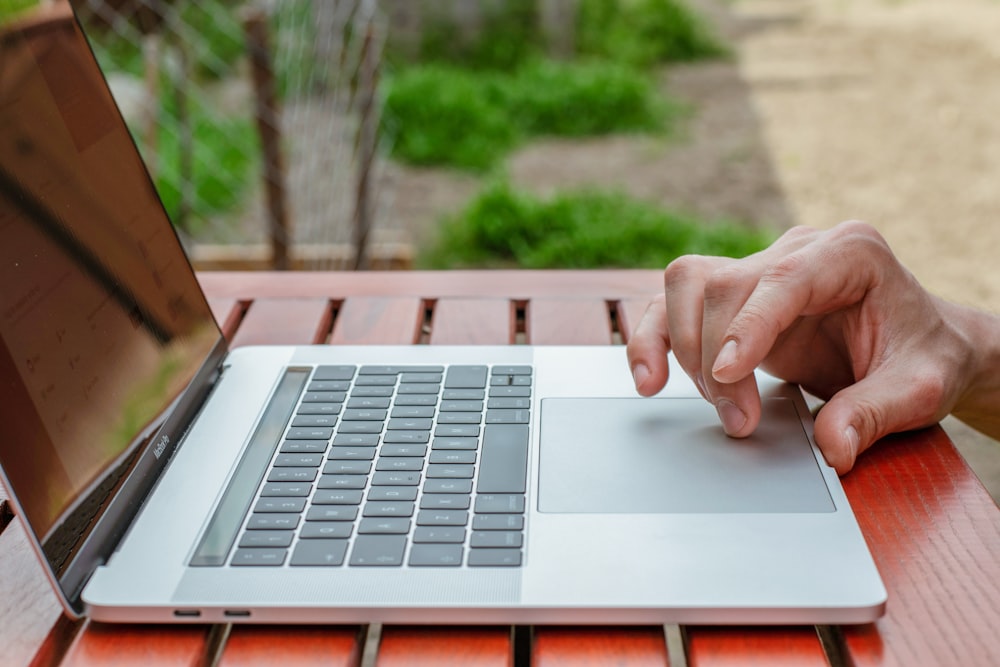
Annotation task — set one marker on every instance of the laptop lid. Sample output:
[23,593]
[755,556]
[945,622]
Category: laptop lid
[102,322]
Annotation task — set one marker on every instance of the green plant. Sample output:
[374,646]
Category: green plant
[644,32]
[503,227]
[443,116]
[9,8]
[224,150]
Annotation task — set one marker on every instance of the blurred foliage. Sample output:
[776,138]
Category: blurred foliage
[9,8]
[442,115]
[585,229]
[644,32]
[224,153]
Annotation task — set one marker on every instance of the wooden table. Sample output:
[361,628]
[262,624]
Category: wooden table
[933,529]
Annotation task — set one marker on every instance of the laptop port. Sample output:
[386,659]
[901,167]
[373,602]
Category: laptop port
[187,613]
[236,613]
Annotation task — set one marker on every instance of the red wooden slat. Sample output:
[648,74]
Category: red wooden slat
[597,647]
[378,320]
[227,312]
[935,535]
[291,646]
[406,646]
[105,645]
[284,321]
[744,647]
[28,606]
[462,321]
[608,284]
[574,321]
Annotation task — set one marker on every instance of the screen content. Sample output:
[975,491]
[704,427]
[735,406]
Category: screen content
[102,322]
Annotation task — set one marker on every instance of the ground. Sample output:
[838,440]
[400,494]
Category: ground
[882,110]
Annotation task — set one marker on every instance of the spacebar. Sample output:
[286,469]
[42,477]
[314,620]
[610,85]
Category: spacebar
[504,464]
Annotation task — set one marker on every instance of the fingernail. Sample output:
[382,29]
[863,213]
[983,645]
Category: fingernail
[699,380]
[726,358]
[853,439]
[639,375]
[733,419]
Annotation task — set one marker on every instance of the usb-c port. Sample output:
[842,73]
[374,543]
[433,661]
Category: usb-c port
[237,613]
[187,613]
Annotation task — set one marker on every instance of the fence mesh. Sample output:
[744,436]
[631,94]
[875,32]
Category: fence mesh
[257,122]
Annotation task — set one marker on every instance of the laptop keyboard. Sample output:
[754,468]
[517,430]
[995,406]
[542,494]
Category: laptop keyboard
[386,466]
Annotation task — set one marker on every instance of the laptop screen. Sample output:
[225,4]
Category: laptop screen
[102,322]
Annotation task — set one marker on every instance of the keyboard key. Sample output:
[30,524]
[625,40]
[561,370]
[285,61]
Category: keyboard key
[378,550]
[499,504]
[461,406]
[460,418]
[279,505]
[259,557]
[452,442]
[291,475]
[286,489]
[303,446]
[448,486]
[309,433]
[332,513]
[384,526]
[352,454]
[421,437]
[319,409]
[498,522]
[445,501]
[418,388]
[360,427]
[399,478]
[404,450]
[457,430]
[313,530]
[342,482]
[512,370]
[367,402]
[434,378]
[442,518]
[494,557]
[314,420]
[364,414]
[378,392]
[436,555]
[509,402]
[463,395]
[341,372]
[347,468]
[396,370]
[337,497]
[507,416]
[494,539]
[399,463]
[465,377]
[417,399]
[439,535]
[410,424]
[388,509]
[329,385]
[449,471]
[319,552]
[355,440]
[324,397]
[273,522]
[403,411]
[504,464]
[267,538]
[298,460]
[394,493]
[376,381]
[447,456]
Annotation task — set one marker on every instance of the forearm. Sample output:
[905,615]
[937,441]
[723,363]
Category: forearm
[979,402]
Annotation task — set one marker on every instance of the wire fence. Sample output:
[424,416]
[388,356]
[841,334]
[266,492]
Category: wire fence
[257,121]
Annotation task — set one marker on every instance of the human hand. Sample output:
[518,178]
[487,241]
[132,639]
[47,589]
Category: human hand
[833,311]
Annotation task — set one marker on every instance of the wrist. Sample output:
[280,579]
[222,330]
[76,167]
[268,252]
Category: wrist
[978,403]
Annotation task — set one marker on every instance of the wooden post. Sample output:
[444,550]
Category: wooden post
[366,144]
[268,118]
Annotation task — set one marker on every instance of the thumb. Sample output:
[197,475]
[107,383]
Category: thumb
[859,415]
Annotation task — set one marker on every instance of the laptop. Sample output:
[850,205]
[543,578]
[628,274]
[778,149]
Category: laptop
[164,478]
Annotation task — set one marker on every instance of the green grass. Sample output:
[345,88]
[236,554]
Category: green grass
[592,229]
[9,8]
[445,116]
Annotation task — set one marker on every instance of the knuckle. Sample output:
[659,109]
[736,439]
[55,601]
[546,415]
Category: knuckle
[683,270]
[725,281]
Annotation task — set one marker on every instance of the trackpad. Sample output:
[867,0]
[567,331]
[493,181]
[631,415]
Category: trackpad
[670,455]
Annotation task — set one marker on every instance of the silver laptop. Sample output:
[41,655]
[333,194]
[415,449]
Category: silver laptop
[164,479]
